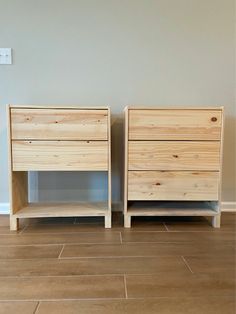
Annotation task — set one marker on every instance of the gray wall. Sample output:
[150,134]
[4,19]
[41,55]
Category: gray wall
[114,52]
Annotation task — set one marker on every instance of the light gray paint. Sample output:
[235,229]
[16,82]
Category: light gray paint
[114,52]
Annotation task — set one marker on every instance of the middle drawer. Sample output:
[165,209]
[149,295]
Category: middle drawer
[173,155]
[59,155]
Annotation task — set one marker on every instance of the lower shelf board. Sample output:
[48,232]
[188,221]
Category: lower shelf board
[142,208]
[78,209]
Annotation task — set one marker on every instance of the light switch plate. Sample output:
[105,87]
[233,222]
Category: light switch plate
[5,56]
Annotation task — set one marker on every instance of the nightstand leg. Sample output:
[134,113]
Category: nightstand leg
[14,223]
[216,221]
[127,221]
[108,221]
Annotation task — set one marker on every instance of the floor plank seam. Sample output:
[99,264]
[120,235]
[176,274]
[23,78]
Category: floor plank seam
[125,286]
[62,249]
[62,243]
[187,264]
[213,231]
[37,307]
[196,231]
[159,242]
[109,243]
[167,229]
[27,245]
[88,275]
[119,275]
[68,299]
[121,240]
[28,234]
[103,257]
[23,229]
[10,234]
[120,298]
[32,259]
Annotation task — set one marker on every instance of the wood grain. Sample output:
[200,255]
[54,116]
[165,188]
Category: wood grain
[52,288]
[54,124]
[54,138]
[60,155]
[172,185]
[175,124]
[172,155]
[34,210]
[180,286]
[126,165]
[108,217]
[206,305]
[19,190]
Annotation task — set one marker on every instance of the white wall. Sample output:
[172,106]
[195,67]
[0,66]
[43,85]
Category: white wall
[99,52]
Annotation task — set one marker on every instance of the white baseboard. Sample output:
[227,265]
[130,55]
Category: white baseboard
[225,207]
[228,207]
[4,208]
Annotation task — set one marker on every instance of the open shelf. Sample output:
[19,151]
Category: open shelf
[173,208]
[77,209]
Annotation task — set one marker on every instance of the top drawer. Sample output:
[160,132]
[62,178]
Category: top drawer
[174,124]
[59,124]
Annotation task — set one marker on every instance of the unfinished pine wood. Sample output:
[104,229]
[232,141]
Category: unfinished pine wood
[60,155]
[217,219]
[172,155]
[127,220]
[58,124]
[18,182]
[108,218]
[37,210]
[59,107]
[18,195]
[170,209]
[175,124]
[57,139]
[172,185]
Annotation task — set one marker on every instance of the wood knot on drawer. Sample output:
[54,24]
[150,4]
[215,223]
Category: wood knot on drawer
[175,156]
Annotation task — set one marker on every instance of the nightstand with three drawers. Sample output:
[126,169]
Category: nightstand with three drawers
[173,162]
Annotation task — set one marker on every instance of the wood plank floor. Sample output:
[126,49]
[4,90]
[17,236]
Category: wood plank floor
[162,265]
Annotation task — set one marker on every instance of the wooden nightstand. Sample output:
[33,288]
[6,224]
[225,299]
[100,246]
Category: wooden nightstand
[173,162]
[57,139]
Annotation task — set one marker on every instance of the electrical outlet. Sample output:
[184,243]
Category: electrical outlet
[5,56]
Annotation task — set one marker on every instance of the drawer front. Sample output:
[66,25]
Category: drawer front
[173,185]
[59,124]
[167,155]
[59,155]
[174,124]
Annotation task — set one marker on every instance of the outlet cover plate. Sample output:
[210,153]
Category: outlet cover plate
[5,56]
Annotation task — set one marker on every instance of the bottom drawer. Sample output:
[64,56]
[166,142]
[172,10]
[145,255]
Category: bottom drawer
[173,185]
[59,155]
